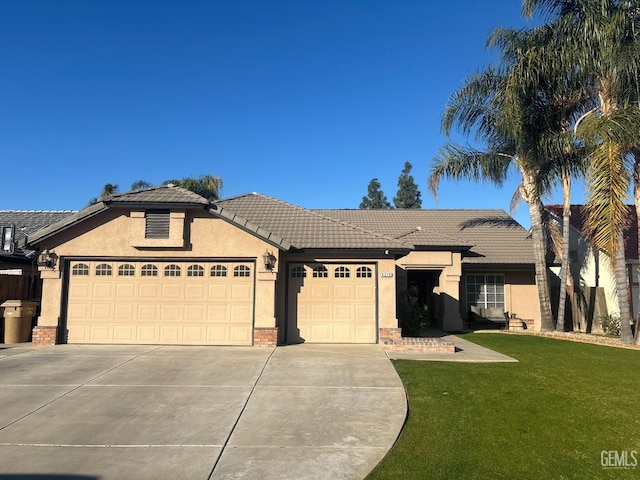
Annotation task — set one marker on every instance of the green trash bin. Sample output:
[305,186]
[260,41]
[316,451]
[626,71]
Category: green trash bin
[18,315]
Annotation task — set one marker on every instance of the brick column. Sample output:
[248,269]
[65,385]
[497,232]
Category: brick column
[265,336]
[44,336]
[390,335]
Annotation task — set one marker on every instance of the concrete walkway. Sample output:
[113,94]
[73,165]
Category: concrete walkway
[465,352]
[156,412]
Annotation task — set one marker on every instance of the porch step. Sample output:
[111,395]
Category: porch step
[418,344]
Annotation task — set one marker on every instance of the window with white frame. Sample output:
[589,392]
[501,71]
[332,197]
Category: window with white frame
[218,271]
[320,271]
[485,290]
[149,271]
[126,270]
[298,272]
[363,272]
[195,271]
[104,269]
[342,272]
[172,271]
[80,269]
[241,271]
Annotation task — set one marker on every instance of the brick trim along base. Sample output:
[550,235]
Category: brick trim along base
[265,336]
[390,335]
[44,336]
[391,339]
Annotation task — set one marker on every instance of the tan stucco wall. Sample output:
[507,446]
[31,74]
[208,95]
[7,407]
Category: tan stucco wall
[450,266]
[114,234]
[521,296]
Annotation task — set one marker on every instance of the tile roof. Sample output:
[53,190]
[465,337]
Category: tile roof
[64,223]
[486,236]
[490,235]
[30,221]
[162,194]
[630,232]
[303,228]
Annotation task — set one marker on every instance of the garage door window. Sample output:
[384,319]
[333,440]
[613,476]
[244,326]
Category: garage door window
[149,271]
[104,270]
[195,271]
[320,271]
[363,272]
[218,271]
[342,272]
[172,271]
[80,269]
[126,270]
[241,271]
[298,272]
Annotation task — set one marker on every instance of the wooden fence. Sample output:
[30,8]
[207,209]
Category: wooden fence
[583,309]
[20,287]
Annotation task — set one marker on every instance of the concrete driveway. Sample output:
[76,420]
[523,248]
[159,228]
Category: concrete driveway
[155,412]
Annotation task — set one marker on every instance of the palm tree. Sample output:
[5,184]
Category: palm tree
[511,127]
[140,185]
[205,185]
[597,38]
[563,95]
[109,189]
[635,151]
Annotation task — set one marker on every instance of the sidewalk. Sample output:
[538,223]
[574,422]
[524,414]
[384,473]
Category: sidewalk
[465,352]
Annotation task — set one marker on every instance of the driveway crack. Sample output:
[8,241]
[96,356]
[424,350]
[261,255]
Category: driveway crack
[235,424]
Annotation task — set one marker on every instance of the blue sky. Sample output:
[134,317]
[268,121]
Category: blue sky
[305,101]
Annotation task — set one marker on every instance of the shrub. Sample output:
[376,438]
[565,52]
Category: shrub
[610,324]
[412,315]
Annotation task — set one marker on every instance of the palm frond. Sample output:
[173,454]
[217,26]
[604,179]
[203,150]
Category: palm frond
[458,162]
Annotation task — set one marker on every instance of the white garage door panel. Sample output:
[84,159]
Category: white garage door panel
[157,309]
[332,309]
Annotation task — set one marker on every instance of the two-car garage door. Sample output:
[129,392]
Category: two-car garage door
[203,303]
[331,303]
[212,303]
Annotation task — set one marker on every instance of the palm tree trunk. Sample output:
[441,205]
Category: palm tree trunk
[619,269]
[539,249]
[564,269]
[636,200]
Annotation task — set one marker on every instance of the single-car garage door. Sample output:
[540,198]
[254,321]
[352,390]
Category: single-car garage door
[331,303]
[197,303]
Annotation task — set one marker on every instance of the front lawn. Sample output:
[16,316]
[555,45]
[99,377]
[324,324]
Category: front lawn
[549,416]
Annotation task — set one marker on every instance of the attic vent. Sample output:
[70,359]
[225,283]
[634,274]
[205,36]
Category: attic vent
[156,224]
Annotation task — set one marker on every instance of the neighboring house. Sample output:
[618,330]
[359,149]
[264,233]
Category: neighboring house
[163,265]
[19,278]
[591,267]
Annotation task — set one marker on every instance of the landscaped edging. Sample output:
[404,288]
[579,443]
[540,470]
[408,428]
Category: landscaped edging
[571,336]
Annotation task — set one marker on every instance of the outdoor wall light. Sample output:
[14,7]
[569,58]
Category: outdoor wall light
[269,260]
[47,259]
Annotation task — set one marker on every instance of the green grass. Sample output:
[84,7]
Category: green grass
[547,417]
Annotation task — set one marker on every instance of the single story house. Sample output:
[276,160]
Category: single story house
[164,265]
